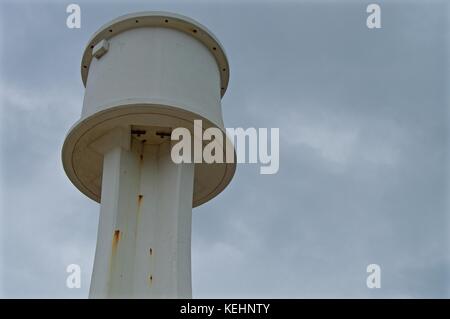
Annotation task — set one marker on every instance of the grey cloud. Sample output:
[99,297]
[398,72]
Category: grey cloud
[363,123]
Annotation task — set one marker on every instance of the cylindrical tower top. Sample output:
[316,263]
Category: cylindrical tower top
[149,72]
[161,19]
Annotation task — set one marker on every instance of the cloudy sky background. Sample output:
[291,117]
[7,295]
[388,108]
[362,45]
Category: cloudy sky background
[363,118]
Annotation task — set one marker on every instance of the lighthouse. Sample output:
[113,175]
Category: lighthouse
[146,74]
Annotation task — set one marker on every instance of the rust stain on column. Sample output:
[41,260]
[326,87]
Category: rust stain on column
[115,241]
[140,199]
[150,280]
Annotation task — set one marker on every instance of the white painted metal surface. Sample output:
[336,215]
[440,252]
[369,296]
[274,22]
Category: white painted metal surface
[146,74]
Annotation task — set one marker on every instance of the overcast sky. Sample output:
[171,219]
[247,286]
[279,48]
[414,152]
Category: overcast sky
[363,118]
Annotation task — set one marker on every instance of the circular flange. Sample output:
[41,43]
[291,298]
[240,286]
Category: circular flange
[161,20]
[83,165]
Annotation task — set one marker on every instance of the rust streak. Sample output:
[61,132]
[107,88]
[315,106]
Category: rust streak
[138,214]
[115,241]
[150,280]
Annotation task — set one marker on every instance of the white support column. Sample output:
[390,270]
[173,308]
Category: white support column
[144,236]
[163,247]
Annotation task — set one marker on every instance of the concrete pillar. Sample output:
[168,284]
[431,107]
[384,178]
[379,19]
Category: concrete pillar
[144,235]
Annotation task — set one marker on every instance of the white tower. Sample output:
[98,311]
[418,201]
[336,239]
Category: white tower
[146,74]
